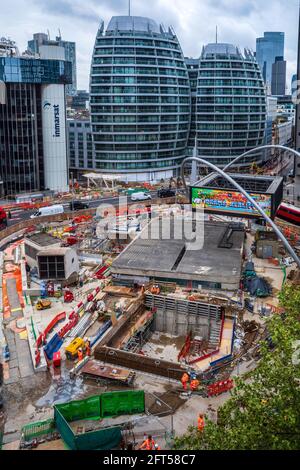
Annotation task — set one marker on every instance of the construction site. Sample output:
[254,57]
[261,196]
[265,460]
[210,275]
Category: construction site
[101,322]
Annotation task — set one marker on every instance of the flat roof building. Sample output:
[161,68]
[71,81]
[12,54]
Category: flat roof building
[165,258]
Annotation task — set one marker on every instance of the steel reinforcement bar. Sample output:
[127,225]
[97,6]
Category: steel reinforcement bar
[139,362]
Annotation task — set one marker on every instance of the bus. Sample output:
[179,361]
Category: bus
[289,213]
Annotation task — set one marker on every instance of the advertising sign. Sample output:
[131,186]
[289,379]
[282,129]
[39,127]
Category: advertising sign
[229,202]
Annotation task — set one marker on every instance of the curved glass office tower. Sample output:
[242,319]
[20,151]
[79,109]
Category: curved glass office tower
[140,99]
[231,104]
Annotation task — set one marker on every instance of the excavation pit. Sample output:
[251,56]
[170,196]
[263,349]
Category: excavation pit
[153,336]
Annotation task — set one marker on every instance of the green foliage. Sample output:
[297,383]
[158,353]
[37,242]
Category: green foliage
[264,410]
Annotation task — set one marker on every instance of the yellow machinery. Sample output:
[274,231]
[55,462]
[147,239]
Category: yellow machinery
[72,348]
[42,304]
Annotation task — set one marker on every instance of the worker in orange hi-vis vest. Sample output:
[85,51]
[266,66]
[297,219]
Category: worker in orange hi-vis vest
[201,423]
[148,444]
[80,355]
[194,385]
[87,347]
[185,380]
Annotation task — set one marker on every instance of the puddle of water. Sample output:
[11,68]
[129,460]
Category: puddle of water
[63,389]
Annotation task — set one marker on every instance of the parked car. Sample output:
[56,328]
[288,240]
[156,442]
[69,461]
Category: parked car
[141,196]
[78,205]
[166,192]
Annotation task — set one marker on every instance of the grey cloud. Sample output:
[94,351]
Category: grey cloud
[239,22]
[71,9]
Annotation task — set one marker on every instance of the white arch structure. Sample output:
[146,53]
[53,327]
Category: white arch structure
[249,198]
[269,146]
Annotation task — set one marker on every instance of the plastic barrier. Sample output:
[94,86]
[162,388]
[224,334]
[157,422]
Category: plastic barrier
[100,273]
[58,318]
[41,339]
[53,346]
[101,332]
[116,404]
[96,407]
[220,387]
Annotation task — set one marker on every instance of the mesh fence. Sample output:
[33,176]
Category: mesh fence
[40,428]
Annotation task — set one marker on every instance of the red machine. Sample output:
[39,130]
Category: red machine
[56,359]
[72,240]
[68,296]
[3,218]
[50,289]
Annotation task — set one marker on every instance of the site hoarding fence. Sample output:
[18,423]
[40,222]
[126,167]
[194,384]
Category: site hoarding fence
[116,404]
[106,405]
[37,429]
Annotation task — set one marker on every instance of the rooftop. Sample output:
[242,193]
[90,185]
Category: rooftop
[168,257]
[133,23]
[260,184]
[43,239]
[225,49]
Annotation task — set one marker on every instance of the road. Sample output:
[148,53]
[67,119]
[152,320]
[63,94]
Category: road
[19,214]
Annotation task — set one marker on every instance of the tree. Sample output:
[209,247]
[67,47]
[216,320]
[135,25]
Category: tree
[264,409]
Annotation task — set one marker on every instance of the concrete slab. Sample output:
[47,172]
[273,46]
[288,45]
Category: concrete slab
[166,256]
[13,363]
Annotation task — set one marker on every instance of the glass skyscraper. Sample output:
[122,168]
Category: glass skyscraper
[140,99]
[231,104]
[268,47]
[32,123]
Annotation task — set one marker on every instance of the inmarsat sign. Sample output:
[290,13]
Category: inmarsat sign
[56,116]
[56,121]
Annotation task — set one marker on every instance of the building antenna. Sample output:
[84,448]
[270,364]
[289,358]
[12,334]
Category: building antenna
[129,7]
[216,34]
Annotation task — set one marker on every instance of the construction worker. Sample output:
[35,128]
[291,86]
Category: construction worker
[80,355]
[148,444]
[88,347]
[194,385]
[201,423]
[185,380]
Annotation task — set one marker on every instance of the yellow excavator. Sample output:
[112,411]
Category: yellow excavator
[42,304]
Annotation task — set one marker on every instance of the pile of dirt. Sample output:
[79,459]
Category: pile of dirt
[294,277]
[166,403]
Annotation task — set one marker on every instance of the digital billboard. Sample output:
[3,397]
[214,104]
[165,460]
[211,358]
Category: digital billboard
[229,202]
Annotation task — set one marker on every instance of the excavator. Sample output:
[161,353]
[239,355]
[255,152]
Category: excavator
[42,304]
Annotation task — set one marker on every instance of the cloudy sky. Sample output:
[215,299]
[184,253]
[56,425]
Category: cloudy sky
[194,21]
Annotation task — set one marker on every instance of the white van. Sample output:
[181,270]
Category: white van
[141,196]
[49,210]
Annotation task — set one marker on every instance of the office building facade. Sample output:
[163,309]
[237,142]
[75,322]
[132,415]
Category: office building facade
[33,152]
[81,155]
[231,104]
[268,47]
[278,85]
[139,100]
[42,39]
[193,70]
